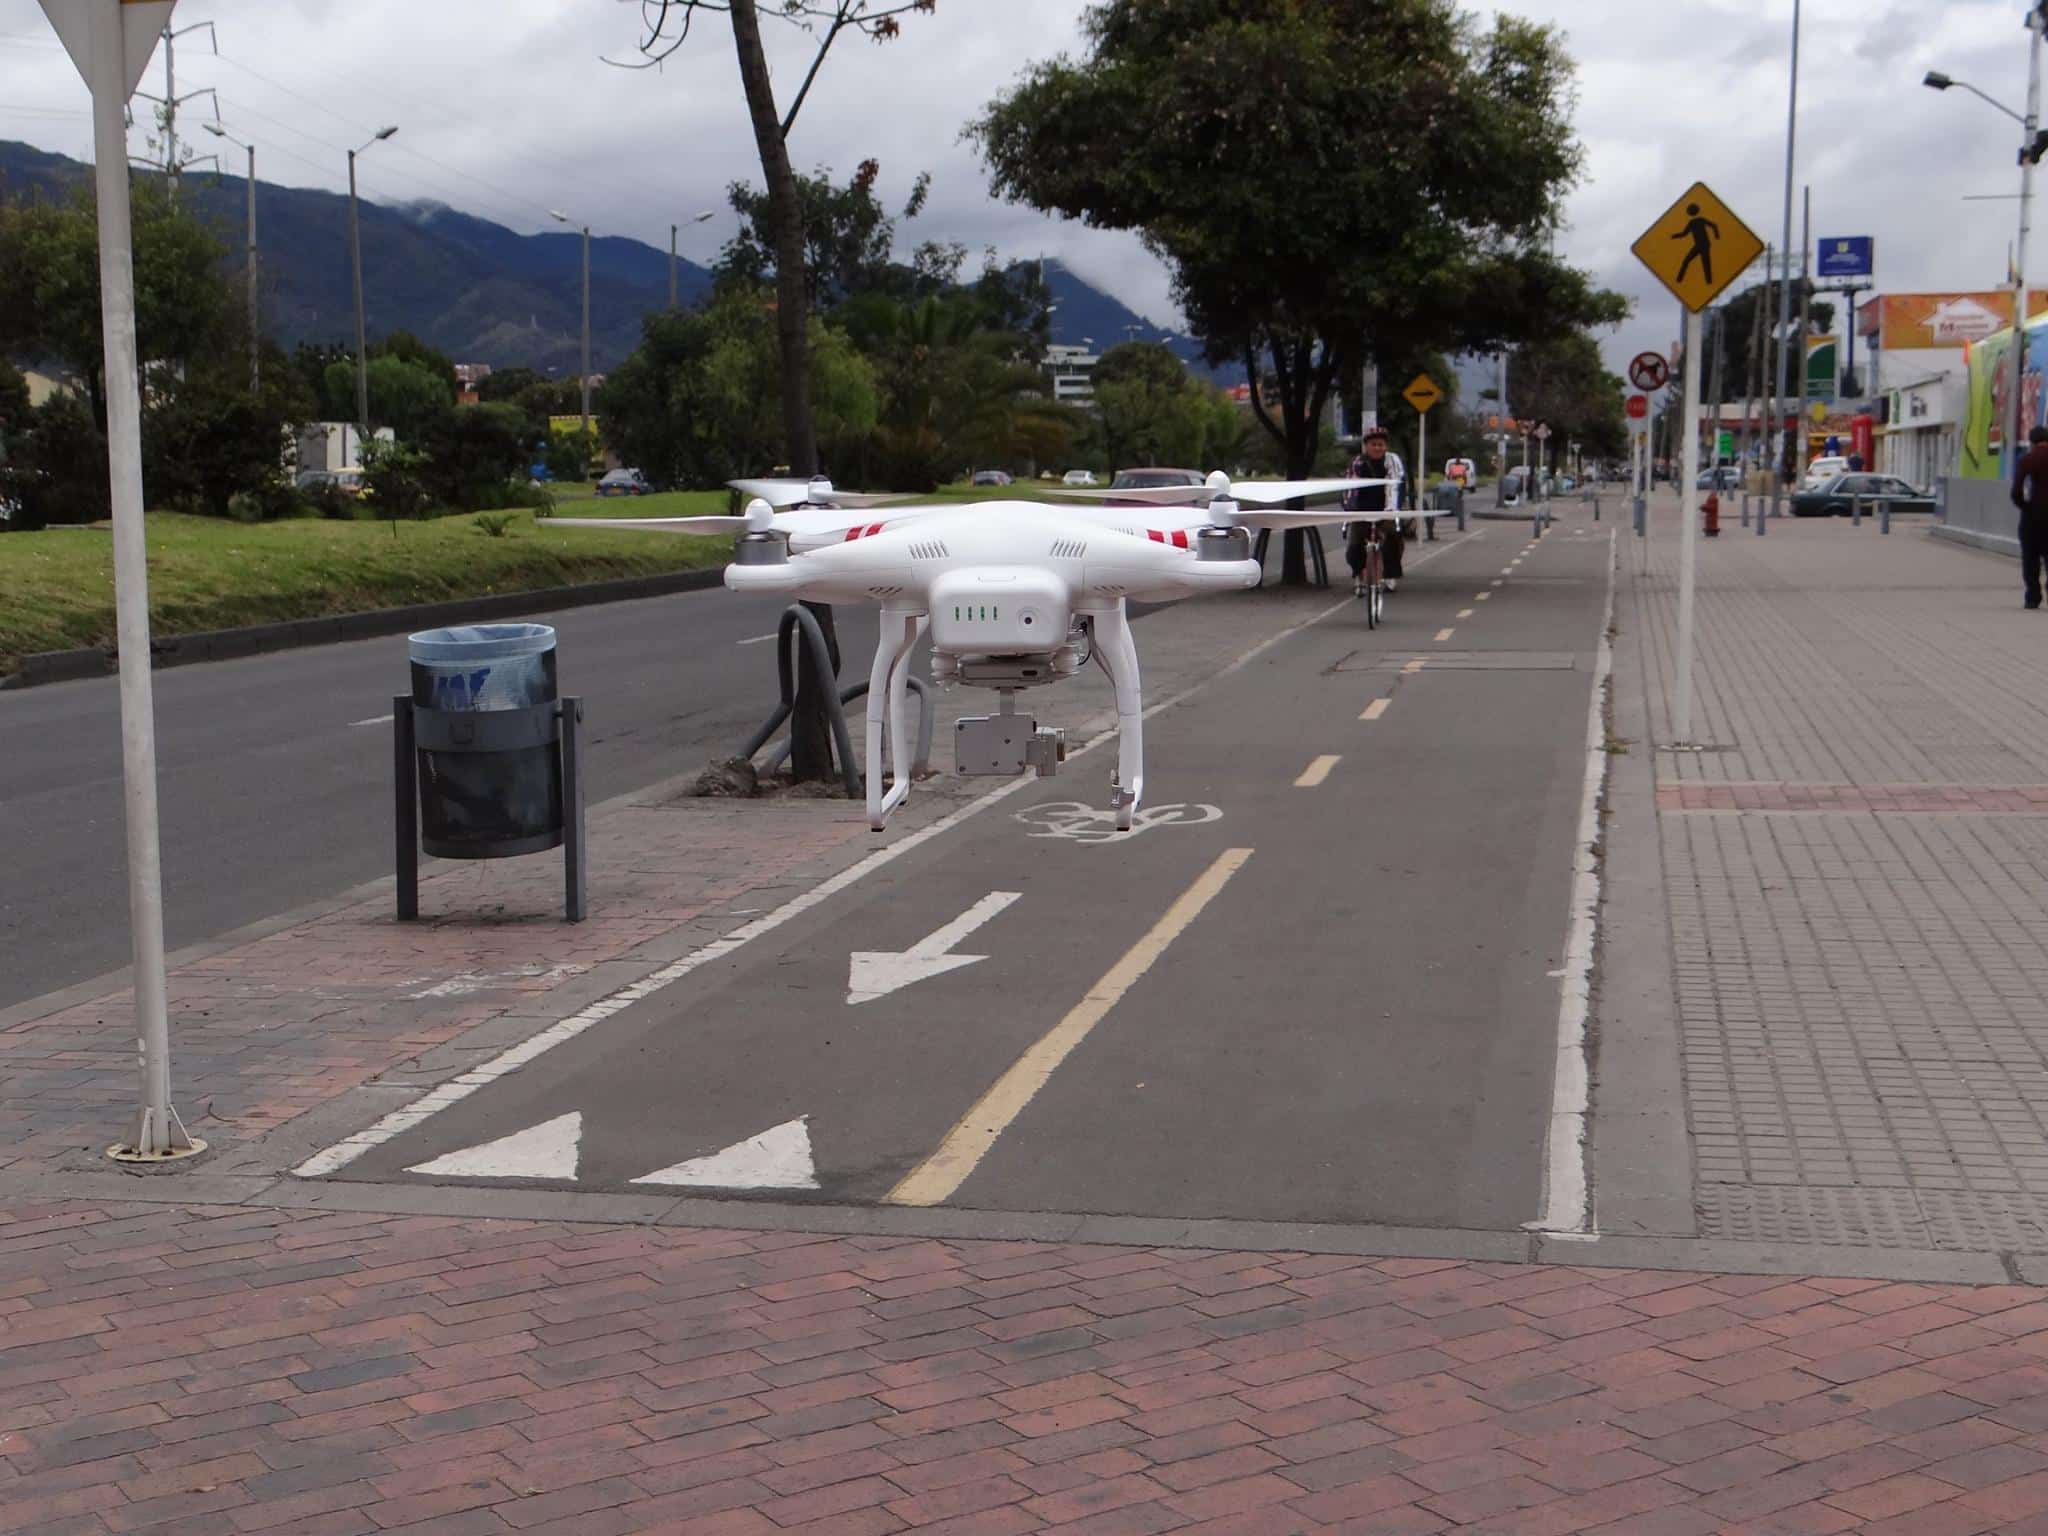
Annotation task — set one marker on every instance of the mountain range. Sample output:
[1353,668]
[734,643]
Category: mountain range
[474,289]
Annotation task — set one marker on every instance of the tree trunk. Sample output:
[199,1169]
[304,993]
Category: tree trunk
[810,725]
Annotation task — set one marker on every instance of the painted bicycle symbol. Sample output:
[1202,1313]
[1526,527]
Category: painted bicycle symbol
[1093,824]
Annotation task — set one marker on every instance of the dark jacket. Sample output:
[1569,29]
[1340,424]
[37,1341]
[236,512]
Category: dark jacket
[2030,483]
[1368,498]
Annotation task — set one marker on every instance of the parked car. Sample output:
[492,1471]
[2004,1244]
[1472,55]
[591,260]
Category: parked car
[1835,498]
[1151,477]
[1725,477]
[1078,477]
[347,481]
[989,477]
[624,482]
[1822,470]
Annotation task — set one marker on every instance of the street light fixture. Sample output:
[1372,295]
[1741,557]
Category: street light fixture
[695,219]
[583,446]
[249,252]
[2031,145]
[355,248]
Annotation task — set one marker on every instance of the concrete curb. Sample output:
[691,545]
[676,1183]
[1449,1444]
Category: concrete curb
[1992,543]
[258,639]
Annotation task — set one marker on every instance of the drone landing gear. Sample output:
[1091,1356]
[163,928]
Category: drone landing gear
[889,689]
[1118,654]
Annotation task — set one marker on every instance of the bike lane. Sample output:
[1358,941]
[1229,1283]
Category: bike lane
[754,1072]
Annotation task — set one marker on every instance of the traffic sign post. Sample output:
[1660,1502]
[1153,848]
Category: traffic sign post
[1695,248]
[1422,392]
[110,41]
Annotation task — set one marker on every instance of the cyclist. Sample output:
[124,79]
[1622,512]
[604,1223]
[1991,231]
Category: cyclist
[1373,463]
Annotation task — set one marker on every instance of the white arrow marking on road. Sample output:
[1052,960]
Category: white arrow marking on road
[779,1158]
[545,1151]
[876,973]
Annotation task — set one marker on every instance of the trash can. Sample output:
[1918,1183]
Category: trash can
[487,802]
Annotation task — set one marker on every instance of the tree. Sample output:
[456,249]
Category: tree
[404,396]
[1153,411]
[826,21]
[50,284]
[848,237]
[1562,381]
[472,452]
[1736,321]
[1327,181]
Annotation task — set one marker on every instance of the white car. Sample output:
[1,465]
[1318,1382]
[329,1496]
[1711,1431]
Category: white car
[1079,477]
[1821,471]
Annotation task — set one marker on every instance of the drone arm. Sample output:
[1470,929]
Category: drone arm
[1119,656]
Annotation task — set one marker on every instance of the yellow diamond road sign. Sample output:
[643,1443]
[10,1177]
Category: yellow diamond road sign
[1422,392]
[1697,247]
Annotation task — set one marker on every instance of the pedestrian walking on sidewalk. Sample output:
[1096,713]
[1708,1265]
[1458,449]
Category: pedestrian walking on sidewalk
[2030,495]
[1374,463]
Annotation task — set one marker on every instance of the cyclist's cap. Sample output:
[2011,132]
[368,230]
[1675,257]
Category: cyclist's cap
[1372,433]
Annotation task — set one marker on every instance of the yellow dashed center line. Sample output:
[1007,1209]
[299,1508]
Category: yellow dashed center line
[1483,596]
[1498,581]
[1413,666]
[1316,772]
[939,1175]
[1444,634]
[1375,709]
[1464,613]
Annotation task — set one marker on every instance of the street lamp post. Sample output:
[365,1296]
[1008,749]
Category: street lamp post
[248,254]
[698,219]
[2030,151]
[1785,289]
[355,250]
[560,217]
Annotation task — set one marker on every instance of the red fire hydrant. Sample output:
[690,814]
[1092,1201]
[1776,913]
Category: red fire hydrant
[1710,512]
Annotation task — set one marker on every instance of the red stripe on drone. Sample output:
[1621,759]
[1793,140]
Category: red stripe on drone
[862,533]
[1155,535]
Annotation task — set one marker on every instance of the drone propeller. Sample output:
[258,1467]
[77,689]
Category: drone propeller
[758,518]
[1221,486]
[811,493]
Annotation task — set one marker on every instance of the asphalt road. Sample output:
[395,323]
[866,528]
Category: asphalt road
[1324,990]
[274,772]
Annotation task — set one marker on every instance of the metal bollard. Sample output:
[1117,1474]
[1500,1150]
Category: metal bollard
[1640,517]
[1745,509]
[1856,512]
[1884,515]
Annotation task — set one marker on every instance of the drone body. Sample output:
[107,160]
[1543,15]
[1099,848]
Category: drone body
[1014,595]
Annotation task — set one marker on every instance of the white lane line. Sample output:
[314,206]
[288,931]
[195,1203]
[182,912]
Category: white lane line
[344,1152]
[938,1176]
[755,640]
[1445,634]
[373,720]
[1567,1194]
[1464,613]
[1375,709]
[1317,771]
[1497,582]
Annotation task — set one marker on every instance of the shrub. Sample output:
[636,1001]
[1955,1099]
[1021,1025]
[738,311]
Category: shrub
[392,476]
[493,525]
[267,503]
[331,501]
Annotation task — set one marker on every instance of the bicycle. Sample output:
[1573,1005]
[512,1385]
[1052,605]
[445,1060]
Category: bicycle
[1371,584]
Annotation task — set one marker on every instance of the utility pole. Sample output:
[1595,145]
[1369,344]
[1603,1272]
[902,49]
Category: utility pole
[562,218]
[1805,348]
[672,266]
[1766,395]
[355,249]
[2029,152]
[248,255]
[1785,288]
[172,98]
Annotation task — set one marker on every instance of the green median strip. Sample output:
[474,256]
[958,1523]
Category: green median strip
[57,592]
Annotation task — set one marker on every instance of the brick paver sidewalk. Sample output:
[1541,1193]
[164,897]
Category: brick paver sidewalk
[235,1370]
[1857,871]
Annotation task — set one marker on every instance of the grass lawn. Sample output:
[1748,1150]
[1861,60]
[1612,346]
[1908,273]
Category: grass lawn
[57,586]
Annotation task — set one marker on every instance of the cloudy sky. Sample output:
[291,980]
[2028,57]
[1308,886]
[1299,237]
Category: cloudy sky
[507,109]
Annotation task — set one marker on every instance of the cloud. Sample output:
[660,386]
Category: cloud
[507,109]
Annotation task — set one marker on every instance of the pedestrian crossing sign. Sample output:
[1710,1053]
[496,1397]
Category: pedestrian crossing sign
[1697,247]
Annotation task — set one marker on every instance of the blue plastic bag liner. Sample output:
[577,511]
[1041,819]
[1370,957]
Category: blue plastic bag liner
[483,666]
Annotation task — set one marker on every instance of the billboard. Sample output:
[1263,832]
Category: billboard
[1925,321]
[1846,256]
[1823,367]
[1989,408]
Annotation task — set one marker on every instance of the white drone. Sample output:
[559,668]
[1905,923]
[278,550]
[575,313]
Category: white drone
[1014,593]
